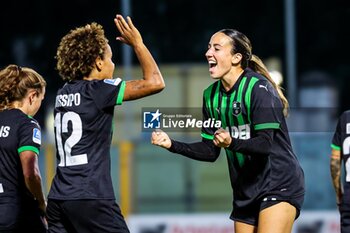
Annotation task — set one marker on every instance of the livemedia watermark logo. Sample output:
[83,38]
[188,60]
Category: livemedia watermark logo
[299,120]
[151,119]
[176,119]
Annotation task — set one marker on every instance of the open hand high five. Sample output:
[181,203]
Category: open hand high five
[129,33]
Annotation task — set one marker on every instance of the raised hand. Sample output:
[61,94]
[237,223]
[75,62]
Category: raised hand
[129,33]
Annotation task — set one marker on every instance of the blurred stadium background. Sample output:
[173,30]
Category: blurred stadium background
[304,42]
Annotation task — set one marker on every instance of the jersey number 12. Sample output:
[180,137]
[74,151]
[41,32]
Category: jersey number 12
[64,151]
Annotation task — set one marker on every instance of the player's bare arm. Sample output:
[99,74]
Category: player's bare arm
[32,177]
[335,166]
[152,81]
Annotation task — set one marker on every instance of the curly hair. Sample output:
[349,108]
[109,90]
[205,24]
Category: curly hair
[78,50]
[15,82]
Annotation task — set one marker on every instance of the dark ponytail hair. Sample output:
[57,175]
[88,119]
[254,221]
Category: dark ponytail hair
[241,44]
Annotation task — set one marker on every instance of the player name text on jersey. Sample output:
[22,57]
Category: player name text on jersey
[68,100]
[4,131]
[240,132]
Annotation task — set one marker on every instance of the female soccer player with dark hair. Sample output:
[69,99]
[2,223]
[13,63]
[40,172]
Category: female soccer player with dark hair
[22,202]
[340,153]
[81,197]
[266,178]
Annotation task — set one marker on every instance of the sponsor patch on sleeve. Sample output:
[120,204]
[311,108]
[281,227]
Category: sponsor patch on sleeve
[37,136]
[114,82]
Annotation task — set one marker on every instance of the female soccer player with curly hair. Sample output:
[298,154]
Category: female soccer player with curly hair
[81,197]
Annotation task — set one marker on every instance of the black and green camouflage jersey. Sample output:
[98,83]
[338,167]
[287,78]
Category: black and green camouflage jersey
[250,106]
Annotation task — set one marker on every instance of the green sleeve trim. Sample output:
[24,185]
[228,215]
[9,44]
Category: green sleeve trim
[121,93]
[207,136]
[335,147]
[267,126]
[30,148]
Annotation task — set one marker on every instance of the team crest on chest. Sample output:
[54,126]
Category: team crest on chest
[236,108]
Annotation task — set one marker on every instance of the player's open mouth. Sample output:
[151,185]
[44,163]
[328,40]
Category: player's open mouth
[212,64]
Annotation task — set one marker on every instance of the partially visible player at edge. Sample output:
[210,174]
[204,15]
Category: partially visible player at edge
[22,202]
[81,198]
[266,177]
[341,152]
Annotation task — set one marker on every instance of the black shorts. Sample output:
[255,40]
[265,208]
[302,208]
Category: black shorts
[75,216]
[250,214]
[25,217]
[344,217]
